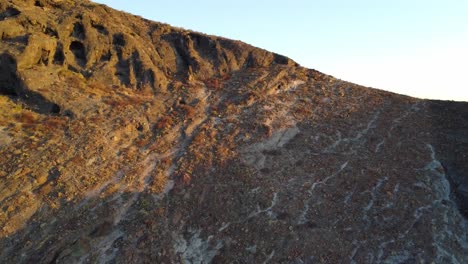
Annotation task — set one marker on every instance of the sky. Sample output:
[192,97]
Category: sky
[413,47]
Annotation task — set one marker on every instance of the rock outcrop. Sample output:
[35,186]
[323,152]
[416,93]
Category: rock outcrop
[129,141]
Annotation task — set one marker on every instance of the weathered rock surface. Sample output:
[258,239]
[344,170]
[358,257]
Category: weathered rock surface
[128,141]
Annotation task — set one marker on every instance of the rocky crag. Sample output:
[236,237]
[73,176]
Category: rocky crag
[124,140]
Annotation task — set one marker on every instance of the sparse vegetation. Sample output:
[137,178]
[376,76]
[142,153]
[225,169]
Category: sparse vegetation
[26,117]
[149,153]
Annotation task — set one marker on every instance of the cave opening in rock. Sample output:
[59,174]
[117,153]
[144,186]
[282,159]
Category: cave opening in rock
[78,49]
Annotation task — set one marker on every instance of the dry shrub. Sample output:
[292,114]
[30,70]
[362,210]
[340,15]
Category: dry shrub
[142,142]
[158,183]
[166,162]
[154,146]
[189,110]
[95,119]
[135,100]
[225,77]
[114,103]
[97,86]
[78,160]
[74,81]
[122,102]
[26,117]
[46,189]
[214,109]
[199,139]
[212,133]
[165,122]
[231,109]
[213,83]
[222,152]
[186,179]
[303,111]
[53,123]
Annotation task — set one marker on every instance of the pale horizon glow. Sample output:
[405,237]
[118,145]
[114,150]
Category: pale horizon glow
[418,48]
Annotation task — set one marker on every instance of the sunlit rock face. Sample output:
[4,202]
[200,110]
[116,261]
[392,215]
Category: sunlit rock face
[128,141]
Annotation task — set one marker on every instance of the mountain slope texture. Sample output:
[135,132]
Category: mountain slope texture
[124,140]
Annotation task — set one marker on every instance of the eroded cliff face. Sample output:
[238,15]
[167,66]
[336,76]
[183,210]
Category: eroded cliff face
[126,140]
[118,48]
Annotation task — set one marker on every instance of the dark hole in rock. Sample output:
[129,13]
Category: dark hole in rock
[146,79]
[55,109]
[78,50]
[8,79]
[122,72]
[140,127]
[54,174]
[119,40]
[106,56]
[250,61]
[195,38]
[18,39]
[78,31]
[43,106]
[69,114]
[9,12]
[38,3]
[59,57]
[280,59]
[119,52]
[51,32]
[73,69]
[13,86]
[182,102]
[101,29]
[137,68]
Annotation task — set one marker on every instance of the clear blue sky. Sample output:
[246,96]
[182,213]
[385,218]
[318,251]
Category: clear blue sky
[414,47]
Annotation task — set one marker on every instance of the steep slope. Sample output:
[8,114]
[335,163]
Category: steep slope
[128,141]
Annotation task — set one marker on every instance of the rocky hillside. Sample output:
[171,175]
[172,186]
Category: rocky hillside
[129,141]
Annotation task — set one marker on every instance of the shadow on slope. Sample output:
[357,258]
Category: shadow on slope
[12,86]
[452,118]
[350,185]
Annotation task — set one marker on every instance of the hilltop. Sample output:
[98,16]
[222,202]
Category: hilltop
[125,140]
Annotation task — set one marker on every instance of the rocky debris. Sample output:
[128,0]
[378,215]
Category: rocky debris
[126,140]
[255,155]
